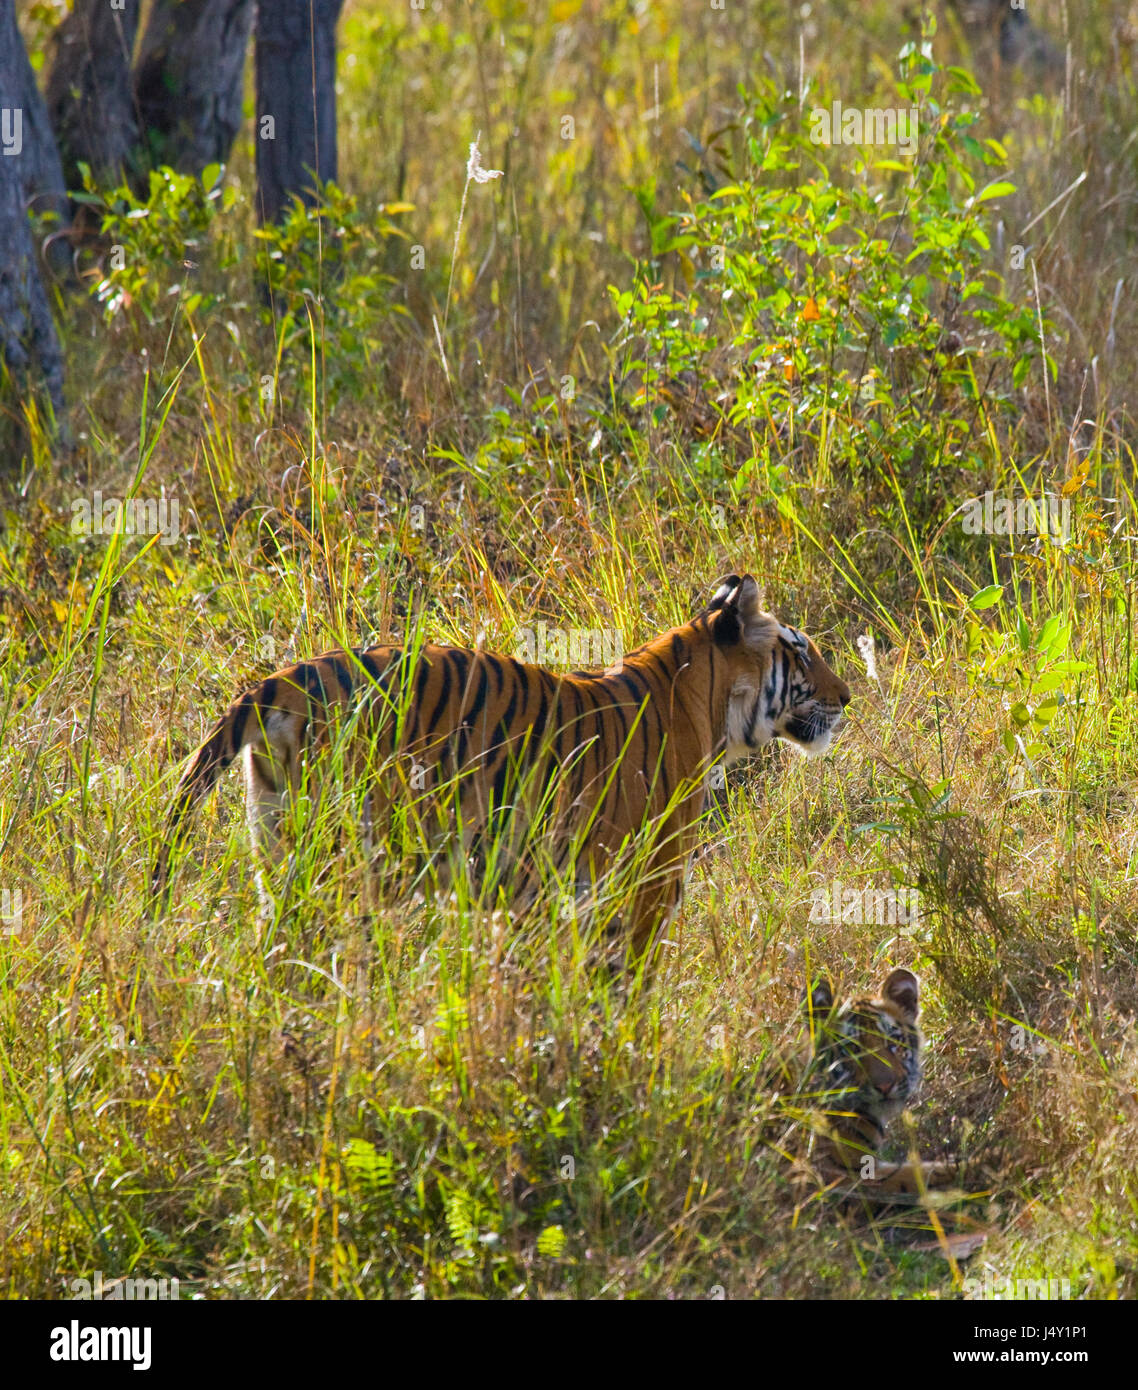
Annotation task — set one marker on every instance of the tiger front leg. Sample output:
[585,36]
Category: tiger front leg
[881,1180]
[911,1179]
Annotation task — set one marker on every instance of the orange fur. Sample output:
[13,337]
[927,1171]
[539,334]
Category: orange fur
[585,764]
[867,1068]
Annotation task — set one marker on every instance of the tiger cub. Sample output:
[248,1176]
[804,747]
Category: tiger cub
[866,1069]
[511,768]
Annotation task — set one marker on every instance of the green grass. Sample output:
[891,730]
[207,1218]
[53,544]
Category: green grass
[368,1100]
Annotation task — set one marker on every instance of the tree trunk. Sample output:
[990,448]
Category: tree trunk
[188,80]
[29,170]
[296,101]
[998,32]
[41,174]
[88,88]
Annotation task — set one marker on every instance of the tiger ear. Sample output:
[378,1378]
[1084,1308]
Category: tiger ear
[900,988]
[822,996]
[737,600]
[739,592]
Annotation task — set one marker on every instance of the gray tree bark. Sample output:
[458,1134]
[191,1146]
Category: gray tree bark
[188,80]
[29,172]
[41,173]
[295,137]
[88,91]
[994,28]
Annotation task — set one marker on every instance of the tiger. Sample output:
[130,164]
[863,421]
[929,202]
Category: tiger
[866,1069]
[577,770]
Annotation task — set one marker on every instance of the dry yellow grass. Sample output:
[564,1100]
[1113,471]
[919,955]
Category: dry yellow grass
[367,1101]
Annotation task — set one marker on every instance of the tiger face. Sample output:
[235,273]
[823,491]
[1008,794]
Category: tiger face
[782,686]
[869,1054]
[865,1069]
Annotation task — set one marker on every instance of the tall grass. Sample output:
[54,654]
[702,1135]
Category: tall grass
[411,1100]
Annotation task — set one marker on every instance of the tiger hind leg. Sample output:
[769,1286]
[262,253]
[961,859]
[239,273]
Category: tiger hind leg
[654,910]
[266,785]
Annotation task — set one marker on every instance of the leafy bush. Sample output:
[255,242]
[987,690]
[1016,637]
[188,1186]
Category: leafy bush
[154,242]
[853,296]
[323,266]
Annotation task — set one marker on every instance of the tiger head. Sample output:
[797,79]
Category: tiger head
[781,685]
[867,1055]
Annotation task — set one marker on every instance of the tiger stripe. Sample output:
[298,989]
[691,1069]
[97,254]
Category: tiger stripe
[590,763]
[866,1069]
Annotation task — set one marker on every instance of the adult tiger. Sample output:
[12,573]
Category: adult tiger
[507,770]
[866,1069]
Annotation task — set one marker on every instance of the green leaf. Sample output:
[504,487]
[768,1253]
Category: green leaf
[986,598]
[1056,643]
[1047,632]
[1023,633]
[965,80]
[1045,713]
[1020,713]
[1000,189]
